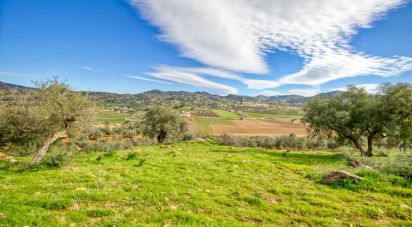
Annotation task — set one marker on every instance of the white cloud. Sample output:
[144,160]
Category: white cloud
[307,92]
[371,88]
[237,35]
[147,79]
[88,68]
[250,83]
[194,80]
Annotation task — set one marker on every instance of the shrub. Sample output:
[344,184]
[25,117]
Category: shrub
[56,160]
[291,142]
[188,136]
[103,145]
[400,165]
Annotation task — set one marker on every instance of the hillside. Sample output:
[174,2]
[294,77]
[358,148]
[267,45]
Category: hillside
[197,183]
[179,99]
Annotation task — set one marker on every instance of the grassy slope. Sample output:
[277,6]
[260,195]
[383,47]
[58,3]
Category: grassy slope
[226,114]
[196,184]
[203,125]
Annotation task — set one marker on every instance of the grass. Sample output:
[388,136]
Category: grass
[194,183]
[203,125]
[111,116]
[271,116]
[226,114]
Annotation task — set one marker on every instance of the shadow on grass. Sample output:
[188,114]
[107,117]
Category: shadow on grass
[295,157]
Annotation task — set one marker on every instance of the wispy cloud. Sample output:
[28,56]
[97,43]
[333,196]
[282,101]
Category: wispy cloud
[147,79]
[307,92]
[371,88]
[189,78]
[237,37]
[250,83]
[88,68]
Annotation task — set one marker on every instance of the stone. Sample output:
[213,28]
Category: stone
[339,175]
[405,207]
[3,155]
[13,161]
[359,164]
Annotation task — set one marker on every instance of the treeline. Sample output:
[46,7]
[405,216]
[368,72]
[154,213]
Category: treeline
[290,142]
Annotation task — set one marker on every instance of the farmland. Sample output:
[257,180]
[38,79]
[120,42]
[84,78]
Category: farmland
[218,122]
[255,127]
[197,183]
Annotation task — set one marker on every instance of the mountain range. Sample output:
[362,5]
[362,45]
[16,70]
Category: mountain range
[157,97]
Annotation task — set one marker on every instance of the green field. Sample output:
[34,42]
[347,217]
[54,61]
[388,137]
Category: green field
[226,114]
[271,116]
[194,183]
[203,125]
[111,116]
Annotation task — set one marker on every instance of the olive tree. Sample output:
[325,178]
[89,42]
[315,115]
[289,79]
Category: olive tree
[43,115]
[355,115]
[161,123]
[351,116]
[397,101]
[130,129]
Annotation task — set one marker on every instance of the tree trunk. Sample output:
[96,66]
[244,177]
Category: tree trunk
[134,142]
[161,137]
[358,146]
[43,150]
[370,146]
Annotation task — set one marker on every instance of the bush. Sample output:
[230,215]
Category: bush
[291,142]
[56,160]
[103,145]
[398,164]
[188,136]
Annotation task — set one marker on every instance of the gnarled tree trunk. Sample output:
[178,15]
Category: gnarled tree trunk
[43,150]
[357,145]
[161,137]
[368,152]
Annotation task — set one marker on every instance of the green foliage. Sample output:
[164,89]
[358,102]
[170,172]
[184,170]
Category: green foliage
[291,142]
[56,160]
[355,114]
[131,156]
[103,145]
[395,163]
[163,124]
[37,114]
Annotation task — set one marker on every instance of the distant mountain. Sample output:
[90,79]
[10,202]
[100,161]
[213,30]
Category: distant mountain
[7,86]
[184,98]
[285,99]
[328,94]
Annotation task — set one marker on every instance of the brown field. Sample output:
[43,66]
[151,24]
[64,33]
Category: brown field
[260,128]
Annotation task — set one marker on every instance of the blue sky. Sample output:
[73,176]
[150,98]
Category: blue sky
[269,47]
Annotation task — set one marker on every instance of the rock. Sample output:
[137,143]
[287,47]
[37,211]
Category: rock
[359,164]
[13,161]
[3,155]
[405,207]
[339,175]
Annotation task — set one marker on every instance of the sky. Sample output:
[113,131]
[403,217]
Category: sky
[244,47]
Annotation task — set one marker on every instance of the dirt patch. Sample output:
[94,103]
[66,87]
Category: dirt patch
[260,128]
